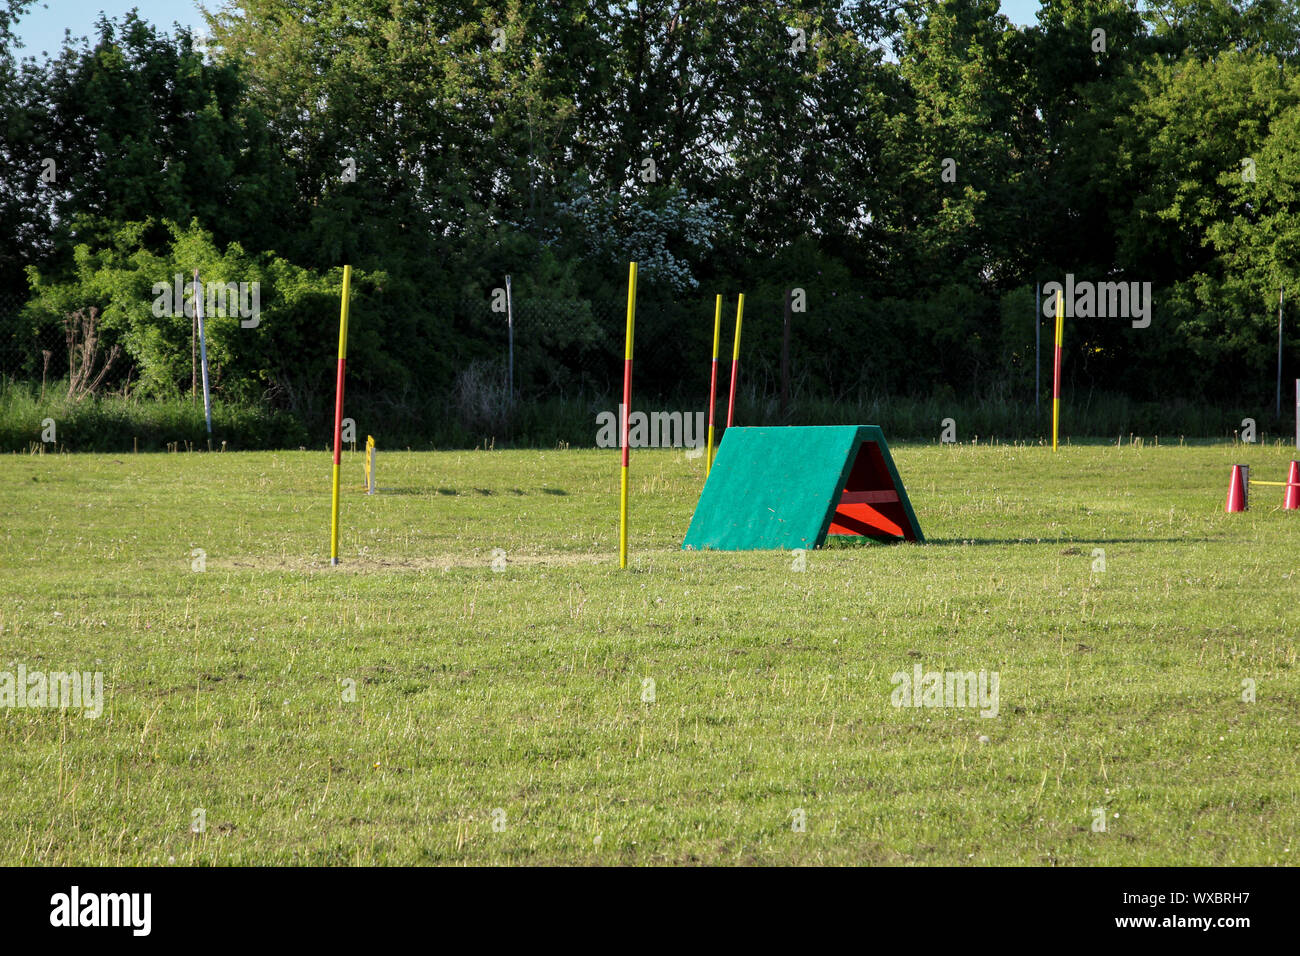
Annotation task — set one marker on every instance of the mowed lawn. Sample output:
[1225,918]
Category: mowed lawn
[508,716]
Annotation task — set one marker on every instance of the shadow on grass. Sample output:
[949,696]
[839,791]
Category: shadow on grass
[453,492]
[1066,541]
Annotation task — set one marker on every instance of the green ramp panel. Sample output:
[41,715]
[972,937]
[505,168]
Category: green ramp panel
[789,487]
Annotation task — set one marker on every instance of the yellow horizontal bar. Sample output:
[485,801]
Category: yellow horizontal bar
[1280,484]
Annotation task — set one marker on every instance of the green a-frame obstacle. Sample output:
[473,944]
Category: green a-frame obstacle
[790,487]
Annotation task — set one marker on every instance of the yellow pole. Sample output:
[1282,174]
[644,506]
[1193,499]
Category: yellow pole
[1056,378]
[713,382]
[338,415]
[627,413]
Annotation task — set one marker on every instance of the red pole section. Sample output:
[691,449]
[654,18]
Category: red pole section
[1056,375]
[735,361]
[713,391]
[338,416]
[338,410]
[713,382]
[731,400]
[627,415]
[627,405]
[1056,371]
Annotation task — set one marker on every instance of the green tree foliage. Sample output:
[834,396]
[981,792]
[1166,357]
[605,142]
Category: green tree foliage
[1206,28]
[286,348]
[914,168]
[136,128]
[1209,153]
[25,230]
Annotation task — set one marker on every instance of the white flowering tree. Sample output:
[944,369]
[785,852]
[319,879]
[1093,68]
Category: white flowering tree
[663,231]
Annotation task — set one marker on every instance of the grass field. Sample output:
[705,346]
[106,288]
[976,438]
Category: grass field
[499,714]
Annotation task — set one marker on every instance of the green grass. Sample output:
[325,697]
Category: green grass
[521,690]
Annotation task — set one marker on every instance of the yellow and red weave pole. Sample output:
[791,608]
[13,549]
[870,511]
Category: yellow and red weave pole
[713,382]
[338,415]
[627,413]
[735,360]
[1056,375]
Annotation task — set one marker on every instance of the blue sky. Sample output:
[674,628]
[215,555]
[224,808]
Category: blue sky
[42,28]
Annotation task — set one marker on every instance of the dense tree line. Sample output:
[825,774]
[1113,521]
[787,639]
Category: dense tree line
[915,167]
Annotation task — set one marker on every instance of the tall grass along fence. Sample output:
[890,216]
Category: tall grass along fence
[442,377]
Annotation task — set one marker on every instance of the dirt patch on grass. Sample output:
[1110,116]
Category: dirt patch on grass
[368,564]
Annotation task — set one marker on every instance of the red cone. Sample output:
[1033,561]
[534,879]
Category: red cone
[1237,489]
[1292,500]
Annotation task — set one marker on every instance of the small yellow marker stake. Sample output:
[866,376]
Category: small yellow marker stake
[1056,377]
[338,415]
[627,413]
[713,382]
[370,465]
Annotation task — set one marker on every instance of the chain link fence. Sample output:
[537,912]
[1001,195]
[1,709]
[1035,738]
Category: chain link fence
[841,349]
[838,350]
[439,370]
[28,351]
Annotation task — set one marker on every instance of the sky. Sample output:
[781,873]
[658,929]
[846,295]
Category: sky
[41,30]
